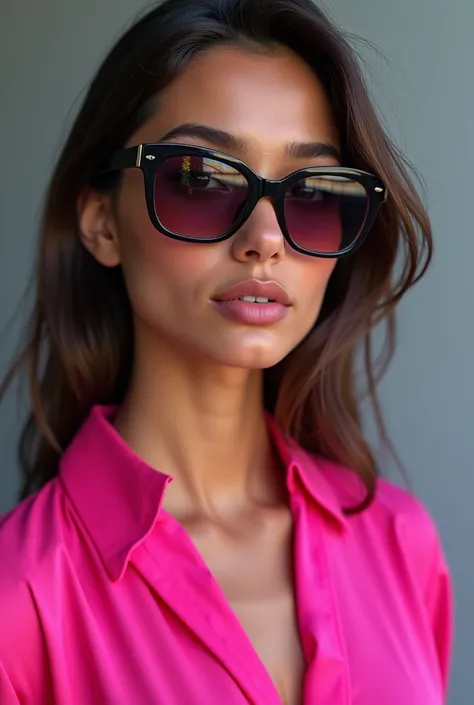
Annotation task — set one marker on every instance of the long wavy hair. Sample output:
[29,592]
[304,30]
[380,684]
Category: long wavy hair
[79,342]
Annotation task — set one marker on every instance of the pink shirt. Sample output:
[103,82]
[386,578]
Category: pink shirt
[104,599]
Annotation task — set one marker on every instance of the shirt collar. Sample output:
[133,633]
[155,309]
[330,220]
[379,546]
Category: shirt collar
[313,474]
[118,496]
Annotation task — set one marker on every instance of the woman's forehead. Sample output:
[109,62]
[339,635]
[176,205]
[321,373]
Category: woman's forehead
[270,99]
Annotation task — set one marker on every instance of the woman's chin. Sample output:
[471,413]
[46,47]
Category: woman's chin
[255,358]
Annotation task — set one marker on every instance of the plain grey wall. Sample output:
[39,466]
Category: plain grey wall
[48,51]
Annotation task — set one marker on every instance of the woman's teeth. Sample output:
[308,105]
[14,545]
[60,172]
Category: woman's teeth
[254,299]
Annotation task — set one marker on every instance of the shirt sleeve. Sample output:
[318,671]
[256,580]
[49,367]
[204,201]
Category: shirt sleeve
[439,601]
[428,574]
[24,668]
[7,692]
[428,566]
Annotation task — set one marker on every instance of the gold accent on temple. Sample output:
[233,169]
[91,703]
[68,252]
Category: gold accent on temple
[139,155]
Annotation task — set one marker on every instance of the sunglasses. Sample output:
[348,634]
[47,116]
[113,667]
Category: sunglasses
[196,194]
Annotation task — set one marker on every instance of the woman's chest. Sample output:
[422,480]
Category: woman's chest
[255,572]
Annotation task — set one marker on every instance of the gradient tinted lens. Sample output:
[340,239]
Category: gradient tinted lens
[199,197]
[325,214]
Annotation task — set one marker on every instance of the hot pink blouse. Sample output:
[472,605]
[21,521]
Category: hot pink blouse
[104,599]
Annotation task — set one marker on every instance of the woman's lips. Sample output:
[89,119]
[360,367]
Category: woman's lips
[254,302]
[257,314]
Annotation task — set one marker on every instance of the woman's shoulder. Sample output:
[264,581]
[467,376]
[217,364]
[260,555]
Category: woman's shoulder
[30,538]
[402,505]
[30,526]
[397,520]
[410,524]
[31,552]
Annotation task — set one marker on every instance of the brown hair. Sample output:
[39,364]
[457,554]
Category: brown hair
[78,351]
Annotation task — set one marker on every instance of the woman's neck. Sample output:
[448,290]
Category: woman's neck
[204,426]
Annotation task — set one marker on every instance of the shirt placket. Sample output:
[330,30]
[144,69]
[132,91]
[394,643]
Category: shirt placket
[327,680]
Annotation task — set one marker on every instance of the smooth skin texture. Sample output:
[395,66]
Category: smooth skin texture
[194,408]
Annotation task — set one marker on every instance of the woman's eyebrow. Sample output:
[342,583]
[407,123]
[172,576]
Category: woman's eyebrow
[312,150]
[226,141]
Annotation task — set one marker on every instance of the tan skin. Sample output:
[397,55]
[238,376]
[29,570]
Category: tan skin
[194,408]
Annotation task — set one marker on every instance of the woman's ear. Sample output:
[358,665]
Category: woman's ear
[97,227]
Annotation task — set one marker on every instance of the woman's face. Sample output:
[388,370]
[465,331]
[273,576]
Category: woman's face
[268,102]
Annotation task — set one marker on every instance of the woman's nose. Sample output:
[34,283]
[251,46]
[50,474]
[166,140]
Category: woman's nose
[260,237]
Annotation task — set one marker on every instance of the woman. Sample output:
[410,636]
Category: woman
[219,236]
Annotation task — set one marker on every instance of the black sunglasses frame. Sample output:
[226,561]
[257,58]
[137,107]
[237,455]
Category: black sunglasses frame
[149,156]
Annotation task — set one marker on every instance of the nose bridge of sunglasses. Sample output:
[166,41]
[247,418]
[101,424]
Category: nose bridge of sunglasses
[263,218]
[269,189]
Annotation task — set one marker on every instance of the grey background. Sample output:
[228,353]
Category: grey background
[48,51]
